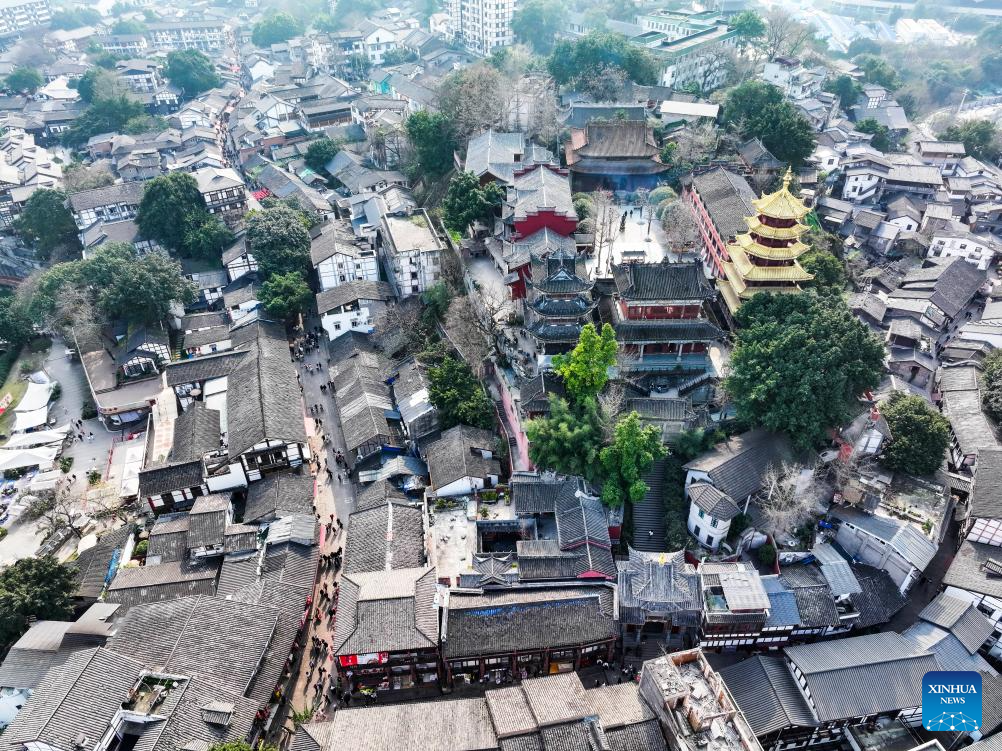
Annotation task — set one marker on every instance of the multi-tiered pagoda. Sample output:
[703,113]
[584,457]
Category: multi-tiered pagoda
[764,259]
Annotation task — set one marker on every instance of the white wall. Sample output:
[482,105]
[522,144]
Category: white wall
[709,536]
[970,249]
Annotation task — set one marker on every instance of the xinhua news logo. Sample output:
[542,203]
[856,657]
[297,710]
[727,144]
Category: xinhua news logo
[951,700]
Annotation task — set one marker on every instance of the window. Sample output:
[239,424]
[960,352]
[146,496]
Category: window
[695,530]
[709,541]
[701,514]
[713,523]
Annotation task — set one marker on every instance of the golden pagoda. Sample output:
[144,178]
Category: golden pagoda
[764,259]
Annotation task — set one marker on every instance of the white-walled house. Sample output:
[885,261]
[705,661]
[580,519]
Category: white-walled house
[411,251]
[956,240]
[352,306]
[339,258]
[461,460]
[710,514]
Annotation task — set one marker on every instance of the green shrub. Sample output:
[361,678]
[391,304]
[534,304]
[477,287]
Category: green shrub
[766,555]
[93,477]
[66,464]
[140,550]
[88,411]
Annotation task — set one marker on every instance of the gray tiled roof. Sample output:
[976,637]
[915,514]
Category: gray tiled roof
[167,478]
[199,369]
[196,433]
[82,694]
[541,188]
[841,674]
[289,564]
[534,494]
[646,282]
[377,494]
[207,521]
[262,401]
[279,494]
[903,537]
[768,695]
[169,538]
[737,466]
[950,653]
[451,457]
[93,564]
[386,611]
[347,292]
[658,584]
[128,193]
[961,618]
[728,200]
[494,153]
[34,654]
[712,501]
[641,736]
[986,498]
[618,705]
[504,622]
[879,599]
[383,538]
[165,581]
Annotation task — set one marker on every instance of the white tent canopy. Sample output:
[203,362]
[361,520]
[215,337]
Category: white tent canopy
[27,420]
[36,397]
[38,438]
[42,457]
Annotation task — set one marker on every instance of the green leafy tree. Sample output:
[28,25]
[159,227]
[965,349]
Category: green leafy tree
[861,46]
[286,295]
[16,325]
[756,109]
[749,25]
[321,151]
[800,363]
[73,18]
[46,222]
[829,273]
[575,61]
[145,124]
[586,369]
[325,22]
[538,22]
[847,89]
[103,59]
[567,440]
[467,202]
[877,70]
[279,240]
[170,208]
[436,299]
[881,140]
[275,28]
[206,236]
[919,435]
[34,589]
[980,138]
[434,142]
[24,79]
[633,450]
[458,395]
[991,69]
[191,71]
[991,387]
[128,26]
[103,116]
[139,289]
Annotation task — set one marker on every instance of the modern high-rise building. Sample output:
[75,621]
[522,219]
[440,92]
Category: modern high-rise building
[483,25]
[16,15]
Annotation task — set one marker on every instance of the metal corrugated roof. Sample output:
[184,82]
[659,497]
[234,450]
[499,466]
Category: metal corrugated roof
[768,695]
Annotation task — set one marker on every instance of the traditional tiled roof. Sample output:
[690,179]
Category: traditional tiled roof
[618,140]
[207,521]
[386,611]
[768,695]
[728,200]
[165,581]
[279,494]
[347,292]
[199,369]
[34,654]
[130,193]
[383,538]
[455,455]
[541,188]
[170,477]
[529,620]
[261,400]
[168,539]
[196,433]
[961,618]
[93,565]
[738,466]
[986,498]
[661,585]
[712,501]
[656,282]
[841,674]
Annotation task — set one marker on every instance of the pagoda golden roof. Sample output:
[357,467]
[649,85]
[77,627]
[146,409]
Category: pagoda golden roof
[749,271]
[790,253]
[782,204]
[775,233]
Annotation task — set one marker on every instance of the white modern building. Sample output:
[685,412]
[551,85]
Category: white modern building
[483,25]
[956,240]
[16,15]
[710,514]
[352,306]
[411,252]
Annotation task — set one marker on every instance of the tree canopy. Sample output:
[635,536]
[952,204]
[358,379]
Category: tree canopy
[46,222]
[881,140]
[103,116]
[633,450]
[275,28]
[33,589]
[878,70]
[537,23]
[16,326]
[829,273]
[980,138]
[170,209]
[568,440]
[458,396]
[73,18]
[846,88]
[286,295]
[756,109]
[473,99]
[799,364]
[575,62]
[467,202]
[749,25]
[434,142]
[24,79]
[278,238]
[991,393]
[585,370]
[919,435]
[191,71]
[320,152]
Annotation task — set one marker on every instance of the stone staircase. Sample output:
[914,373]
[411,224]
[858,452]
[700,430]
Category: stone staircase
[648,515]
